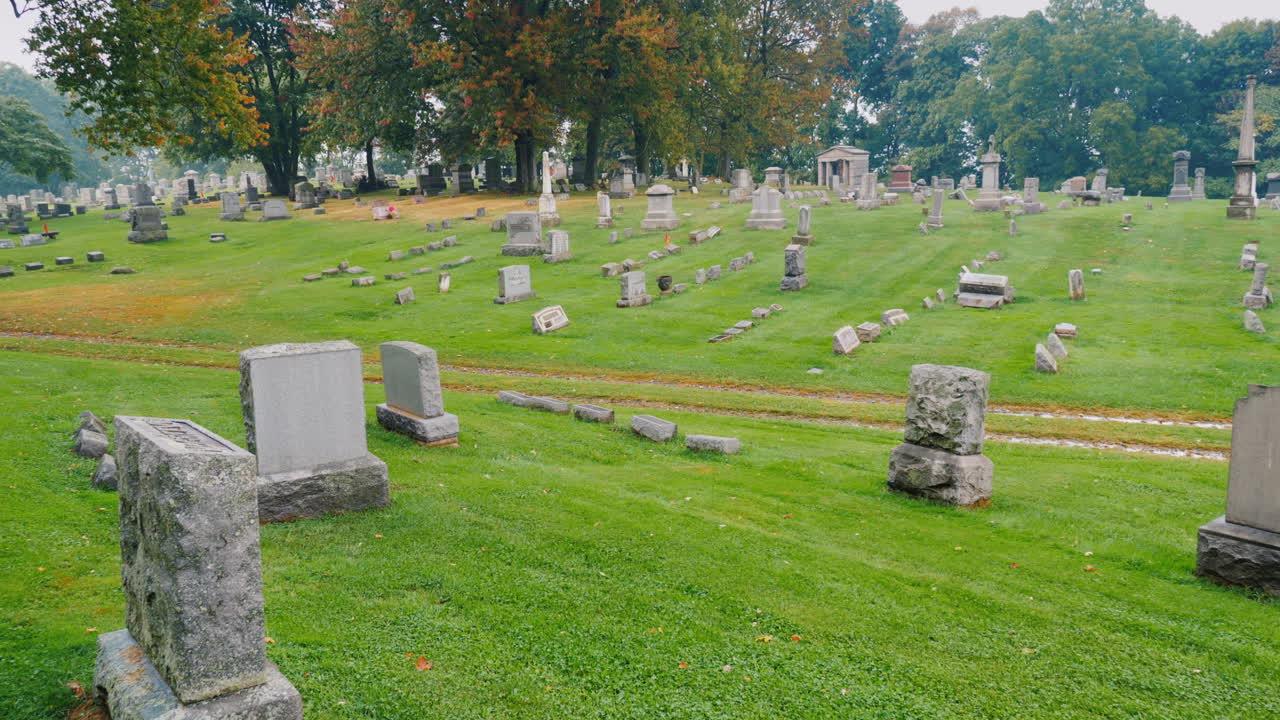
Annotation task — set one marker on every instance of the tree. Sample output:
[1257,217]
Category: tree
[27,145]
[384,102]
[145,72]
[52,107]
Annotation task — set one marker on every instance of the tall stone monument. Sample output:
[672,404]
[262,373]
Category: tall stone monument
[604,210]
[804,235]
[794,275]
[989,196]
[1181,191]
[1242,547]
[1244,199]
[661,214]
[547,200]
[415,405]
[304,413]
[192,646]
[935,213]
[1259,295]
[942,458]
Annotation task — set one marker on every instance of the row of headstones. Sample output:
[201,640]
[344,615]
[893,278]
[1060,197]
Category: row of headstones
[646,426]
[742,326]
[1259,296]
[93,256]
[191,503]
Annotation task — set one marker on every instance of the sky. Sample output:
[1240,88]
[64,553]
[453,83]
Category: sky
[1205,16]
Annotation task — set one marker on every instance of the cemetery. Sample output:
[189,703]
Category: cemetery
[835,437]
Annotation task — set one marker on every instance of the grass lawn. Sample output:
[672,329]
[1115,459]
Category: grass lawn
[552,569]
[1160,331]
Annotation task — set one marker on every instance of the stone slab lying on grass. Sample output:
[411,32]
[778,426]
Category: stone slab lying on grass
[1054,345]
[653,428]
[533,402]
[104,476]
[1065,330]
[593,413]
[713,443]
[1045,361]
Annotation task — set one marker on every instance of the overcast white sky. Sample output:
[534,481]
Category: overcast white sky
[1204,15]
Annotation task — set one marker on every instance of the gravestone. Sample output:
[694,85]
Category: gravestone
[547,200]
[274,209]
[303,407]
[549,319]
[1242,547]
[231,209]
[845,340]
[304,196]
[557,249]
[604,210]
[941,458]
[803,234]
[142,195]
[935,215]
[193,645]
[1075,284]
[415,404]
[1045,362]
[1259,295]
[900,179]
[868,331]
[653,428]
[524,234]
[633,290]
[661,214]
[147,225]
[1244,196]
[979,290]
[1181,191]
[794,268]
[766,210]
[515,283]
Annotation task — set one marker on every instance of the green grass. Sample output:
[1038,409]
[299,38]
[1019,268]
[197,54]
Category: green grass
[554,569]
[1160,330]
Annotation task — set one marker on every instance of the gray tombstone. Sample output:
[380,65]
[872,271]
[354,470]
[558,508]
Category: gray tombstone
[191,569]
[766,210]
[274,209]
[1259,295]
[1075,284]
[1242,547]
[941,458]
[1181,191]
[793,274]
[661,214]
[845,340]
[803,234]
[633,290]
[415,404]
[557,249]
[935,214]
[146,225]
[515,283]
[231,209]
[524,234]
[304,416]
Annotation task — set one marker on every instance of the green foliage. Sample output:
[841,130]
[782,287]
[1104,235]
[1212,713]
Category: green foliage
[52,107]
[27,145]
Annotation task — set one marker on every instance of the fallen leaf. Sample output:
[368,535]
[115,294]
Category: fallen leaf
[91,629]
[788,516]
[795,638]
[683,665]
[1029,651]
[1014,566]
[40,569]
[76,688]
[423,664]
[1090,568]
[377,536]
[764,638]
[726,668]
[269,640]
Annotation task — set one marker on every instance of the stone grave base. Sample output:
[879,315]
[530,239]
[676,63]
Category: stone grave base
[1242,212]
[801,239]
[231,217]
[987,205]
[508,299]
[766,223]
[979,300]
[442,430]
[940,476]
[521,250]
[660,224]
[130,688]
[635,301]
[799,282]
[1234,554]
[147,236]
[357,484]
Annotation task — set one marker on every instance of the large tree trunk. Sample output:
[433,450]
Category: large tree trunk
[368,162]
[280,167]
[592,162]
[525,174]
[642,148]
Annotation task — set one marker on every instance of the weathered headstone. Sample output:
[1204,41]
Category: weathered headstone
[524,234]
[1259,295]
[1045,361]
[515,283]
[1242,547]
[794,267]
[713,444]
[766,210]
[415,404]
[1244,197]
[1181,191]
[845,340]
[274,209]
[604,210]
[935,214]
[655,429]
[147,225]
[1075,284]
[191,569]
[941,458]
[660,214]
[803,234]
[633,290]
[231,210]
[303,407]
[557,249]
[978,290]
